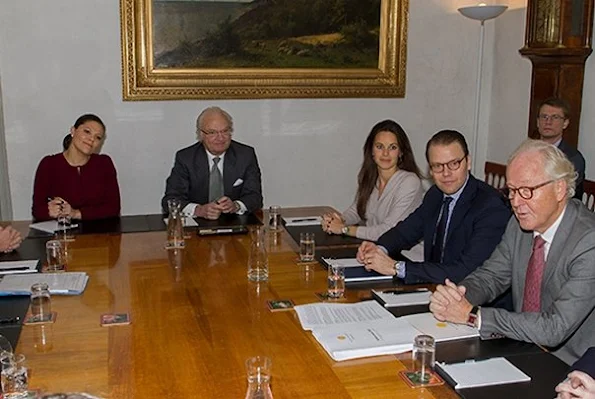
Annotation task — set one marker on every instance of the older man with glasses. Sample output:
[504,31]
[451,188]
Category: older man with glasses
[553,117]
[547,257]
[217,174]
[460,221]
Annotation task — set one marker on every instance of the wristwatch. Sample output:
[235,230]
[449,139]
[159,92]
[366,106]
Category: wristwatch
[345,230]
[238,207]
[473,318]
[399,267]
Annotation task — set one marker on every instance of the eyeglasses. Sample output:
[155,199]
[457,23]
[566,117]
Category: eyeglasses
[455,164]
[526,192]
[225,132]
[553,118]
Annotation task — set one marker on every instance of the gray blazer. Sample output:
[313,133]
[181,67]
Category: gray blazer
[566,322]
[189,178]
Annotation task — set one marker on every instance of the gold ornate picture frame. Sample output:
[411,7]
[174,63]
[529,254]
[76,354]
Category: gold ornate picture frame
[147,77]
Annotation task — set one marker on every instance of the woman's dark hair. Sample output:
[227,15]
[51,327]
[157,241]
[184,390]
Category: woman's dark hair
[66,141]
[89,117]
[368,174]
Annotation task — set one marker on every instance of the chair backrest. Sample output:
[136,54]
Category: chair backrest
[495,175]
[589,194]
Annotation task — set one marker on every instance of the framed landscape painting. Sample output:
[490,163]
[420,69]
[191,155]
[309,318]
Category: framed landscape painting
[216,49]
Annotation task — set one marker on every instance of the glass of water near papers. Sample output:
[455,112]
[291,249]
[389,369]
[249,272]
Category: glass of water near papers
[307,247]
[424,357]
[65,224]
[56,261]
[15,377]
[274,218]
[336,282]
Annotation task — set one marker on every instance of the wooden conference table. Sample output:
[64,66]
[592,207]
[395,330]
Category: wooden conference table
[195,320]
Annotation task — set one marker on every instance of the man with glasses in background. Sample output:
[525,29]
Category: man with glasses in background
[547,257]
[217,174]
[461,220]
[553,117]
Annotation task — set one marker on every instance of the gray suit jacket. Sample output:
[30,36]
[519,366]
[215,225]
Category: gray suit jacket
[566,322]
[189,178]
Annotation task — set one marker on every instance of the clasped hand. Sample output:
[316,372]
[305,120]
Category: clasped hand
[448,303]
[332,223]
[374,258]
[577,385]
[214,209]
[59,207]
[10,239]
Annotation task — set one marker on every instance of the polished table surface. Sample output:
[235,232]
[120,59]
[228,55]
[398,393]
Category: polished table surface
[195,320]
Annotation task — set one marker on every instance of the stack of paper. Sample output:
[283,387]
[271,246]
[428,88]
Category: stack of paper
[71,283]
[18,266]
[303,221]
[441,331]
[52,226]
[354,270]
[495,371]
[350,331]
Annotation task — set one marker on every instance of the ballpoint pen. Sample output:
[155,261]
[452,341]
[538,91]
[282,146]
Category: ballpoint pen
[304,220]
[405,291]
[11,320]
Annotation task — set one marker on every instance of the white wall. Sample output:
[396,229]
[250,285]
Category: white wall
[60,59]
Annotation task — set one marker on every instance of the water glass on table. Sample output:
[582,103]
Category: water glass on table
[274,217]
[65,222]
[41,303]
[258,370]
[15,377]
[55,257]
[336,282]
[307,247]
[424,356]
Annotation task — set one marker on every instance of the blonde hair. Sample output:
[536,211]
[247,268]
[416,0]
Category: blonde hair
[556,164]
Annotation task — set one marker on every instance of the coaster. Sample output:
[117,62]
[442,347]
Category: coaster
[280,305]
[413,380]
[114,319]
[45,319]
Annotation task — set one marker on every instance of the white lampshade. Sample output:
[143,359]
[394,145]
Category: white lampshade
[482,12]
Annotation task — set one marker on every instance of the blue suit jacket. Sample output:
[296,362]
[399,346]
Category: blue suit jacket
[578,161]
[586,363]
[477,223]
[189,178]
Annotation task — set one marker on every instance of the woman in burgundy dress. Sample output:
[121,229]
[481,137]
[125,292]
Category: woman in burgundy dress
[78,182]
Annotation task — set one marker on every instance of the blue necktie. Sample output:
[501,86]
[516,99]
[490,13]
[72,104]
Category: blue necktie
[438,245]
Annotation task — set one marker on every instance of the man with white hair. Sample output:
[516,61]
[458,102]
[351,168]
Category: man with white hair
[547,257]
[216,175]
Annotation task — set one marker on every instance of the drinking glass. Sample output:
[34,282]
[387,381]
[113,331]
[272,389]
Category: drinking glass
[258,371]
[274,217]
[336,282]
[424,355]
[15,378]
[175,228]
[65,222]
[258,260]
[307,247]
[55,256]
[41,304]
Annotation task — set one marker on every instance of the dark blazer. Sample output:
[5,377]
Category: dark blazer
[578,161]
[477,223]
[189,177]
[586,363]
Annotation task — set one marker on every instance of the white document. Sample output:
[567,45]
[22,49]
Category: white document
[18,266]
[51,226]
[353,341]
[393,298]
[303,221]
[343,262]
[189,221]
[496,371]
[317,315]
[440,330]
[70,283]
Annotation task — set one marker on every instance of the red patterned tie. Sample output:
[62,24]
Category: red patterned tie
[532,294]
